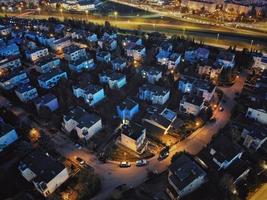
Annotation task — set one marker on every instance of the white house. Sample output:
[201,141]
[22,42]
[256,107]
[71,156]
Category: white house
[127,109]
[73,53]
[59,44]
[51,78]
[184,177]
[137,52]
[107,43]
[211,71]
[10,63]
[92,37]
[254,136]
[48,100]
[114,80]
[103,56]
[83,63]
[84,123]
[37,53]
[153,93]
[151,74]
[8,135]
[226,59]
[258,114]
[119,63]
[260,62]
[9,50]
[13,79]
[91,94]
[26,92]
[43,171]
[133,136]
[46,64]
[191,104]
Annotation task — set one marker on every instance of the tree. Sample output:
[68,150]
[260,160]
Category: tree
[227,185]
[45,112]
[177,155]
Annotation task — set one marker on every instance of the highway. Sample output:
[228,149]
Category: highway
[210,34]
[112,175]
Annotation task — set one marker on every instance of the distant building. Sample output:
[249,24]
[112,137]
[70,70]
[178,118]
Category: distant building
[133,136]
[137,52]
[119,64]
[127,109]
[103,56]
[184,177]
[131,39]
[225,59]
[84,63]
[91,94]
[26,92]
[9,50]
[48,100]
[107,43]
[213,72]
[10,63]
[46,64]
[59,44]
[8,135]
[199,54]
[51,78]
[152,74]
[43,171]
[153,93]
[260,62]
[5,30]
[171,60]
[192,104]
[37,53]
[13,79]
[74,53]
[114,80]
[85,124]
[92,37]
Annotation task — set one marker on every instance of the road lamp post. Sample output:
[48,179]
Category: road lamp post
[218,36]
[61,13]
[86,12]
[39,10]
[251,43]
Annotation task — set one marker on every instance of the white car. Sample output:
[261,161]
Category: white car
[140,163]
[125,164]
[78,146]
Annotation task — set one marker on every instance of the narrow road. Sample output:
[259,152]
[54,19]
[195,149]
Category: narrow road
[261,194]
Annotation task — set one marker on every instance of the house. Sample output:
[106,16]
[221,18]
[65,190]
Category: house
[73,53]
[36,53]
[103,56]
[174,60]
[107,43]
[91,37]
[202,54]
[260,62]
[257,113]
[137,52]
[59,44]
[133,136]
[238,170]
[192,85]
[254,136]
[26,92]
[8,135]
[13,79]
[119,64]
[191,104]
[9,50]
[184,177]
[225,59]
[83,63]
[127,109]
[114,80]
[163,57]
[43,171]
[151,74]
[51,78]
[85,124]
[48,100]
[131,39]
[91,94]
[10,63]
[153,93]
[162,118]
[47,63]
[190,56]
[166,46]
[219,154]
[213,71]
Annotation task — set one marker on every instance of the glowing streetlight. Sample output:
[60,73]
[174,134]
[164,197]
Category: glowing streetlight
[39,10]
[86,12]
[19,9]
[34,135]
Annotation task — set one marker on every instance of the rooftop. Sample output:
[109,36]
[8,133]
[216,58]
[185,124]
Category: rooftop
[127,104]
[5,128]
[24,88]
[132,130]
[156,90]
[44,99]
[50,74]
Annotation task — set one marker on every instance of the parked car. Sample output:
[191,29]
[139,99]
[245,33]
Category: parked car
[80,161]
[140,163]
[125,164]
[221,108]
[213,119]
[164,153]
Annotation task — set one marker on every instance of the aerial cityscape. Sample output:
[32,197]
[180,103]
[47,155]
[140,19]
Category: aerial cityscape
[133,99]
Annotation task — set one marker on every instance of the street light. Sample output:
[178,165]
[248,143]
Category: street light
[86,12]
[39,10]
[251,43]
